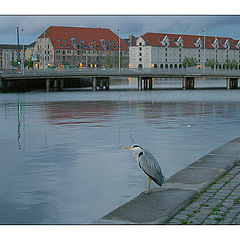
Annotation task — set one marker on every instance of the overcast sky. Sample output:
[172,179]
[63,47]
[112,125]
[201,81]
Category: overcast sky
[34,25]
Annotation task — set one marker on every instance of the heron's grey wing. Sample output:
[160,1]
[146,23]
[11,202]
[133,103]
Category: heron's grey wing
[151,167]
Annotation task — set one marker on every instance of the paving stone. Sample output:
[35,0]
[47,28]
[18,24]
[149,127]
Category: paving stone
[227,221]
[228,204]
[210,221]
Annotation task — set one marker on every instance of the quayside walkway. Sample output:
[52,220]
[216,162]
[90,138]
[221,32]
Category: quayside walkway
[217,204]
[205,192]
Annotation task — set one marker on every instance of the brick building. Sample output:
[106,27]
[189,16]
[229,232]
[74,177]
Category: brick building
[162,50]
[79,47]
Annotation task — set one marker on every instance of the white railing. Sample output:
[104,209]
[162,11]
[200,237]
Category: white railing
[115,71]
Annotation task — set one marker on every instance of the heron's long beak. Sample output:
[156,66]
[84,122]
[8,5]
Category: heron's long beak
[127,147]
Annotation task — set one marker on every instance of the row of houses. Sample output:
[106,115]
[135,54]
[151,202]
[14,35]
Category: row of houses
[100,48]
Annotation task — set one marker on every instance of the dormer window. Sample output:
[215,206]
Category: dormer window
[226,44]
[165,41]
[198,43]
[238,44]
[216,43]
[179,42]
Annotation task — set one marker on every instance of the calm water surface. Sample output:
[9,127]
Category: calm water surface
[61,157]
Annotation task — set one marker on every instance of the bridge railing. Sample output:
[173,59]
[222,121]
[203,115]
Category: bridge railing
[115,71]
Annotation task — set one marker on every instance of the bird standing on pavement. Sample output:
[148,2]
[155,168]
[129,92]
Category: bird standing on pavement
[148,163]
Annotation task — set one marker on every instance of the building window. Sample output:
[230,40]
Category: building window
[140,59]
[140,44]
[140,54]
[140,48]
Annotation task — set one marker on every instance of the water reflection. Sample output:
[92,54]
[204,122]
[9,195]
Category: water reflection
[89,112]
[71,168]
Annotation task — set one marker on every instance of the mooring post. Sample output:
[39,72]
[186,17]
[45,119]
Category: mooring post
[47,85]
[139,83]
[94,83]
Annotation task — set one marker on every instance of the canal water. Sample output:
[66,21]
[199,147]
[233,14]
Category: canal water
[61,153]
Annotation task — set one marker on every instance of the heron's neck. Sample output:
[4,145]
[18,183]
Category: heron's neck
[135,154]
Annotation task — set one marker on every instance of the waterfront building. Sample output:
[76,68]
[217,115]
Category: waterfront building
[29,51]
[8,53]
[164,50]
[79,47]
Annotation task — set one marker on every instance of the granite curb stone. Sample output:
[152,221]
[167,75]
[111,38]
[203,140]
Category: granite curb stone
[163,203]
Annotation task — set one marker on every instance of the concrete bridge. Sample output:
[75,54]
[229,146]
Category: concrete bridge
[100,77]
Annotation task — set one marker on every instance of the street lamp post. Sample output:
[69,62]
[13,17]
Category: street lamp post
[119,46]
[44,48]
[204,56]
[23,56]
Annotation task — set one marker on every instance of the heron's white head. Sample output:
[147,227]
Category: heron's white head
[136,150]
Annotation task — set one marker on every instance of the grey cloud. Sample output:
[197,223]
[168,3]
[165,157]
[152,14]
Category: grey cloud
[34,25]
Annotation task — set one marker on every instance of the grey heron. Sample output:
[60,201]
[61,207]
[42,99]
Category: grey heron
[148,163]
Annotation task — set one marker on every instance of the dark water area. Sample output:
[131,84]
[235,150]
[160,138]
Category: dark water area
[61,153]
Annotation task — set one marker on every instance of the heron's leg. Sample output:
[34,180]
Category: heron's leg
[149,183]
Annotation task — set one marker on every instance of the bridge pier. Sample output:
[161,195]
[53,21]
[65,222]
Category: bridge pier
[61,86]
[147,83]
[55,84]
[232,83]
[107,83]
[188,83]
[47,85]
[139,83]
[100,83]
[150,84]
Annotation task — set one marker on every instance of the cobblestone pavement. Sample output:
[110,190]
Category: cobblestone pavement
[217,204]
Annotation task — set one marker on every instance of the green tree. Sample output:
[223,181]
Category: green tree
[14,63]
[209,63]
[28,63]
[189,62]
[227,64]
[233,64]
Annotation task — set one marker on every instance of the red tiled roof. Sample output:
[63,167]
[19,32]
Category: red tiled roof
[61,38]
[154,39]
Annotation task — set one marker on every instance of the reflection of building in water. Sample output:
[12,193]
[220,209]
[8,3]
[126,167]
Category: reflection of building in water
[156,112]
[61,113]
